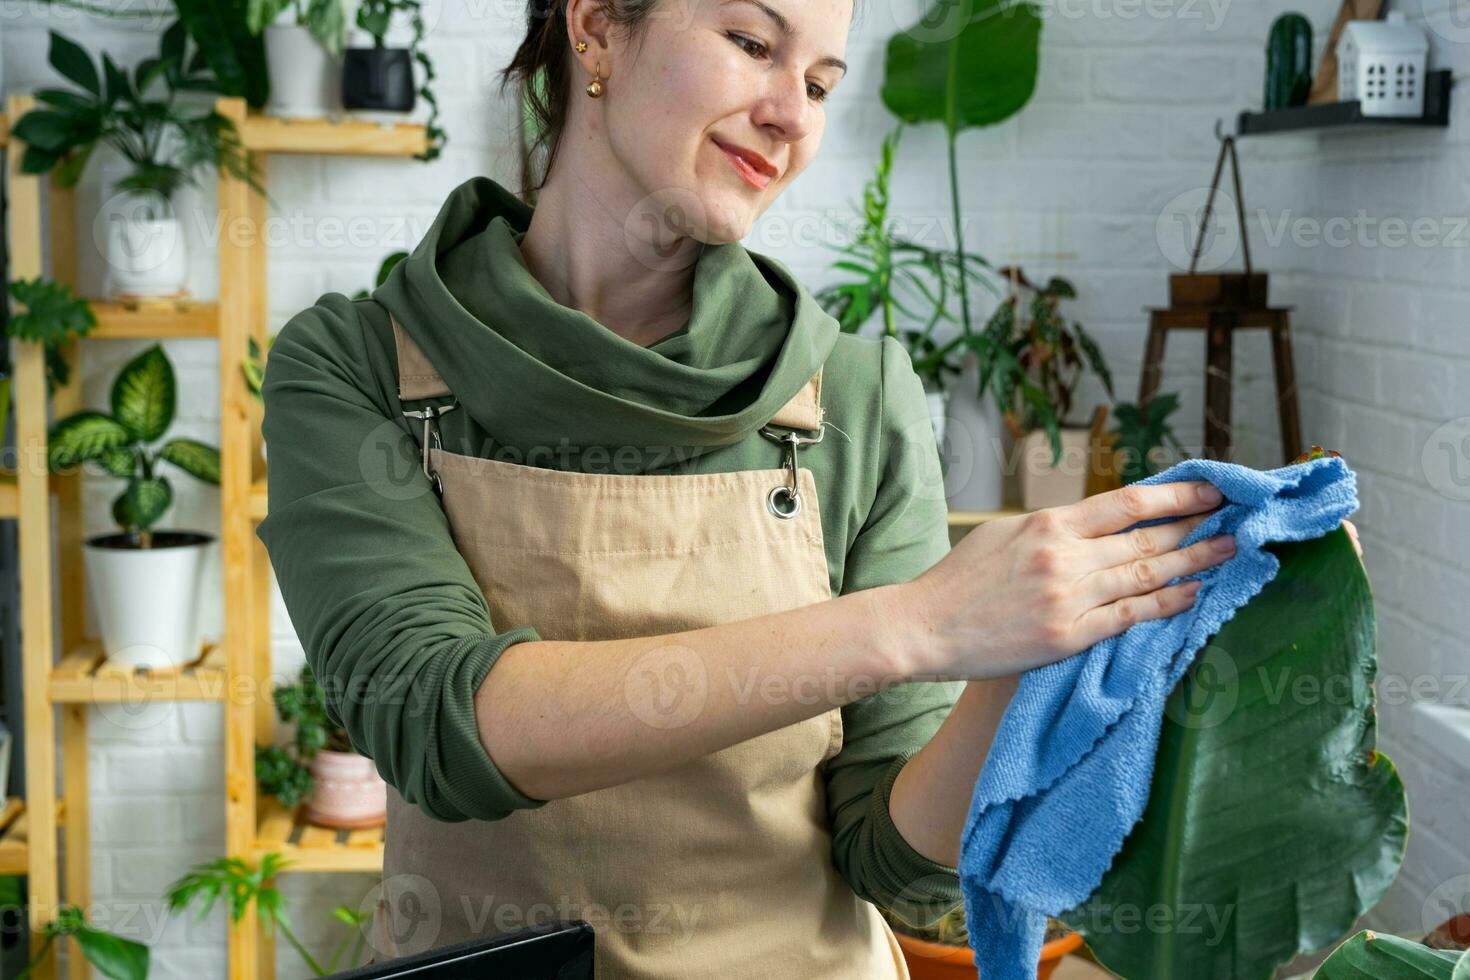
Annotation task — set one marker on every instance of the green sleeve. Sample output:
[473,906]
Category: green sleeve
[392,621]
[904,534]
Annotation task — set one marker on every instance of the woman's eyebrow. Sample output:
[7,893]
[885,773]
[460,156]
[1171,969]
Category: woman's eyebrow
[784,26]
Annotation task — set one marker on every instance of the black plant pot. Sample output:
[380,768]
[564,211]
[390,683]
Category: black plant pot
[378,78]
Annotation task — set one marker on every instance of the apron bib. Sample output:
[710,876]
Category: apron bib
[719,868]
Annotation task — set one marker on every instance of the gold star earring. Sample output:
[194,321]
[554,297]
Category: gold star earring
[581,47]
[596,88]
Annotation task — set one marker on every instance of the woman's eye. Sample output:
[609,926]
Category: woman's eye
[745,44]
[820,93]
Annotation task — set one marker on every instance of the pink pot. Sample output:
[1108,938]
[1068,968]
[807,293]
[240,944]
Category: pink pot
[347,791]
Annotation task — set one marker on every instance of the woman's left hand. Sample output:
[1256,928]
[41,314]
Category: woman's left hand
[1353,533]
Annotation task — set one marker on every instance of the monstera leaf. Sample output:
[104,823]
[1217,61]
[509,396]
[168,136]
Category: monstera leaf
[1373,956]
[964,64]
[1273,822]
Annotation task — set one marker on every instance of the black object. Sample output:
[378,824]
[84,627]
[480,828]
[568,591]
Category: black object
[378,78]
[1288,62]
[1335,115]
[555,951]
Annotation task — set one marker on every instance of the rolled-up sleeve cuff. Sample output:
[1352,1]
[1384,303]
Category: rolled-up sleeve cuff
[466,783]
[914,888]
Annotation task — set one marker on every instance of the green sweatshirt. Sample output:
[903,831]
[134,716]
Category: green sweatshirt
[391,619]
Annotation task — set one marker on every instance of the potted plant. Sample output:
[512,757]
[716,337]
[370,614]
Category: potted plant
[942,951]
[164,142]
[381,77]
[240,884]
[341,788]
[1139,433]
[902,280]
[1041,345]
[303,54]
[145,582]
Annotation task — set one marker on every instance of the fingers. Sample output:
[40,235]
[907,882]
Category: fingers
[1114,618]
[1111,512]
[1353,534]
[1145,542]
[1148,575]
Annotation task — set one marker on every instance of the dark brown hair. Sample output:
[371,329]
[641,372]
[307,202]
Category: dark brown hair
[542,68]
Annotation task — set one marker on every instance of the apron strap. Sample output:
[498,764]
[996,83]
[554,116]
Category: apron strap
[418,379]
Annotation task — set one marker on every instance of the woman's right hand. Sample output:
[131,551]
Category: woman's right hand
[1021,592]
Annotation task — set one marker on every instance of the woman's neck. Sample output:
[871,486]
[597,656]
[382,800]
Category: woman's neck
[587,252]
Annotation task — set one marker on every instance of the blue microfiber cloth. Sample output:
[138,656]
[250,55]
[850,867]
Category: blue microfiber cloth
[1071,766]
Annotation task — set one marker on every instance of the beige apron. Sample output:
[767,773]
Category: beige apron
[719,868]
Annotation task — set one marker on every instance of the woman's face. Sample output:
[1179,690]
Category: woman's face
[718,105]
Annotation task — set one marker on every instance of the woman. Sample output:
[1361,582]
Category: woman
[632,636]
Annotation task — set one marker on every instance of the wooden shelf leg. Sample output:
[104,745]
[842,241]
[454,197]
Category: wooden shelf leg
[1218,368]
[1153,362]
[1286,406]
[77,826]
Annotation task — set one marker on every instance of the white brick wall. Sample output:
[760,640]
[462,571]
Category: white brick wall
[1120,126]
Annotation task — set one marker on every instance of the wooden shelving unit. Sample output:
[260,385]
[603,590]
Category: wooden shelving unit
[240,662]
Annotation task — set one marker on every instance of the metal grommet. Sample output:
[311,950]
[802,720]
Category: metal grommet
[776,508]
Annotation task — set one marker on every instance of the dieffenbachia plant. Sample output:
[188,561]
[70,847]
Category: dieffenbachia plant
[144,396]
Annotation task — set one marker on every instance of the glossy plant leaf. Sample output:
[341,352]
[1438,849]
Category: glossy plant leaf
[964,64]
[1273,822]
[144,393]
[1375,956]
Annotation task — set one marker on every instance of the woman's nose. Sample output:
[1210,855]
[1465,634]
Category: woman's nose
[785,109]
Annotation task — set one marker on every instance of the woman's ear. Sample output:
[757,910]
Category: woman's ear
[588,23]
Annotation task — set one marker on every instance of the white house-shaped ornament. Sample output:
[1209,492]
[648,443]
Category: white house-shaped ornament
[1381,64]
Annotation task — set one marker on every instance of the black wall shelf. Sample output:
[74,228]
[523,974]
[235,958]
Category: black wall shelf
[1344,115]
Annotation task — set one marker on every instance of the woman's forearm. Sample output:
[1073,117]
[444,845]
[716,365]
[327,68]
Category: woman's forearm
[556,727]
[931,795]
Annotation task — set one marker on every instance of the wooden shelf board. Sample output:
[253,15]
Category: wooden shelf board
[312,848]
[148,319]
[972,518]
[345,136]
[15,835]
[80,678]
[14,838]
[258,501]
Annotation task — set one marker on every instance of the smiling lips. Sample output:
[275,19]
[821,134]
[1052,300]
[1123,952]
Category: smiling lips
[755,169]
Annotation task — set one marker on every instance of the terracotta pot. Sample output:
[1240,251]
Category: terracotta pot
[1045,485]
[938,961]
[347,791]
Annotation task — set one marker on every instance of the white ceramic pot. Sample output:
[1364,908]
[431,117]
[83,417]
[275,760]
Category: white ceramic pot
[306,81]
[981,447]
[346,791]
[145,257]
[147,599]
[1045,485]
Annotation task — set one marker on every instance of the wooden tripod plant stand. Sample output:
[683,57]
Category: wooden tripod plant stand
[1220,304]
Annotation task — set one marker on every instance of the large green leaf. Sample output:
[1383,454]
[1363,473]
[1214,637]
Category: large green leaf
[964,64]
[146,502]
[223,37]
[1374,956]
[1273,822]
[83,436]
[193,457]
[143,394]
[74,64]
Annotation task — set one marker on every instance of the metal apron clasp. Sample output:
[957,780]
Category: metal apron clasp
[430,417]
[790,494]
